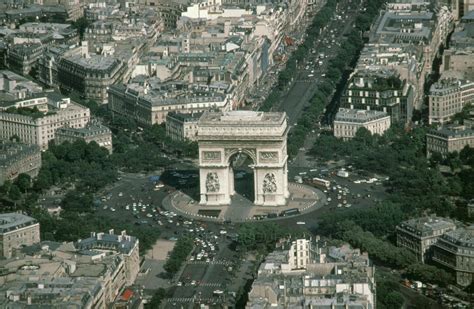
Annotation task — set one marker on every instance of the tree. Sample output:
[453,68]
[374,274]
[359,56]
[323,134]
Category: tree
[157,299]
[5,188]
[23,182]
[14,193]
[393,300]
[428,273]
[181,250]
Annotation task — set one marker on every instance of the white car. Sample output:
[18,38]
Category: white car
[223,232]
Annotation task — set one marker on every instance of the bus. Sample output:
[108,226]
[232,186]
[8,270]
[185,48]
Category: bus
[321,183]
[289,212]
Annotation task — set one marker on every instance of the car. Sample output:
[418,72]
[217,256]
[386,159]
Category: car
[112,209]
[339,205]
[149,215]
[223,232]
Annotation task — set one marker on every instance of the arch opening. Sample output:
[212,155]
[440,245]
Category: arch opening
[241,176]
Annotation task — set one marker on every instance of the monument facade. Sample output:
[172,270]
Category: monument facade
[261,136]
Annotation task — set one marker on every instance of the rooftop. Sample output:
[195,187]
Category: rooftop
[11,153]
[452,131]
[14,221]
[358,115]
[94,62]
[448,85]
[92,128]
[463,236]
[122,243]
[427,226]
[241,118]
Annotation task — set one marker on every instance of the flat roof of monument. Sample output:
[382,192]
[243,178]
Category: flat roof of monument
[242,117]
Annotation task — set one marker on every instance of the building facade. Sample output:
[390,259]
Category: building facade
[93,132]
[148,105]
[17,230]
[419,235]
[182,127]
[90,76]
[449,139]
[41,128]
[16,159]
[348,121]
[455,250]
[447,98]
[380,90]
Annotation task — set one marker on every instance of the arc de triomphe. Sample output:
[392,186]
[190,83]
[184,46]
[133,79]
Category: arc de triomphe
[262,136]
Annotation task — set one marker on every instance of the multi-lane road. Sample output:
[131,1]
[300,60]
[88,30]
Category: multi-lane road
[311,73]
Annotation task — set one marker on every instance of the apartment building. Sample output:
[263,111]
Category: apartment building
[455,250]
[22,58]
[39,128]
[150,101]
[90,76]
[94,131]
[332,277]
[447,98]
[449,139]
[420,234]
[17,230]
[348,121]
[380,90]
[17,158]
[88,273]
[182,127]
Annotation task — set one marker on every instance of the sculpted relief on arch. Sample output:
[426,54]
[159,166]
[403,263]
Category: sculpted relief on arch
[269,183]
[212,182]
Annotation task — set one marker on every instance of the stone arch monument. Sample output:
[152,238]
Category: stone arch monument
[262,136]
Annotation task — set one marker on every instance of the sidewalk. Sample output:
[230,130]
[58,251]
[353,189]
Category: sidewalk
[303,197]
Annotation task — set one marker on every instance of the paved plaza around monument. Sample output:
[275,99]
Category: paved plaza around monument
[303,197]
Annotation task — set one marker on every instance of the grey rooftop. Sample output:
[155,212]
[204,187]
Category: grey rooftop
[358,115]
[14,221]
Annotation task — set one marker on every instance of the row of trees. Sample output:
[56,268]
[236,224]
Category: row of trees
[181,250]
[346,55]
[320,21]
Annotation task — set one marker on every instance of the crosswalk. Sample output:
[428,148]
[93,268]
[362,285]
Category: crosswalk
[180,300]
[218,262]
[189,299]
[210,284]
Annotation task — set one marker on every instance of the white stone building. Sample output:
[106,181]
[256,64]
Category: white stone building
[17,230]
[39,129]
[348,121]
[447,98]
